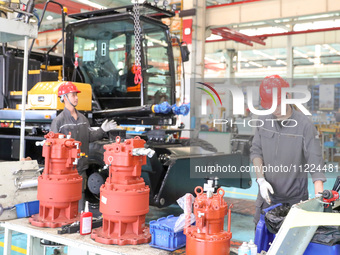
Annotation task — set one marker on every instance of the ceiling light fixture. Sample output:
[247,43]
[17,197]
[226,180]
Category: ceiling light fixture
[300,53]
[214,37]
[331,49]
[278,61]
[281,62]
[255,64]
[92,4]
[263,54]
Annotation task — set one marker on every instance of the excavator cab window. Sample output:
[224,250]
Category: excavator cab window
[157,75]
[107,56]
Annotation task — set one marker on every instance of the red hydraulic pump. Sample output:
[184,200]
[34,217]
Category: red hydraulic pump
[124,198]
[208,236]
[60,185]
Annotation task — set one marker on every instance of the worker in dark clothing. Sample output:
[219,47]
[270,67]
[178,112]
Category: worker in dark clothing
[284,151]
[70,120]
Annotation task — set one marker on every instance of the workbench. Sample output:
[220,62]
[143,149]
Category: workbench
[77,244]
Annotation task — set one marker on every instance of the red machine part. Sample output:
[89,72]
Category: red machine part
[208,236]
[124,198]
[60,185]
[329,196]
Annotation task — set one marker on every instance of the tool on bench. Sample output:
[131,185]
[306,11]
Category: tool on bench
[75,227]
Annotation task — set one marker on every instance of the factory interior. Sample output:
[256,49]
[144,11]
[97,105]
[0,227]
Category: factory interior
[191,127]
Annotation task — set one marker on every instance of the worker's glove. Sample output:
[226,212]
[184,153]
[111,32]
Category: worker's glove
[318,195]
[265,188]
[109,125]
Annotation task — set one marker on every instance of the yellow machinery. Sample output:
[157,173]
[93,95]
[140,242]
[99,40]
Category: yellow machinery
[7,5]
[44,96]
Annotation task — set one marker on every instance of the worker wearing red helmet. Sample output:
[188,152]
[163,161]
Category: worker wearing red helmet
[284,150]
[70,120]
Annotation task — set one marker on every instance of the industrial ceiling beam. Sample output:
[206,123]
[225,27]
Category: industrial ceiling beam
[249,38]
[234,3]
[301,32]
[228,36]
[264,36]
[259,11]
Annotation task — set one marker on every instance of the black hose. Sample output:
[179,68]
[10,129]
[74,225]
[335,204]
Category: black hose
[4,13]
[36,15]
[336,186]
[81,77]
[183,70]
[74,74]
[183,74]
[144,110]
[48,52]
[62,31]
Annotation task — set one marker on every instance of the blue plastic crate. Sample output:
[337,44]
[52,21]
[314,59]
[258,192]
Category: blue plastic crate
[27,209]
[262,235]
[329,144]
[316,249]
[163,236]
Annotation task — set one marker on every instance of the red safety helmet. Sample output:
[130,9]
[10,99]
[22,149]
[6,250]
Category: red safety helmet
[266,90]
[67,87]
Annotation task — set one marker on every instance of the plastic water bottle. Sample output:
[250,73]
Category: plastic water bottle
[252,247]
[244,249]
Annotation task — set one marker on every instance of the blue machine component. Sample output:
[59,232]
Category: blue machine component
[181,110]
[164,108]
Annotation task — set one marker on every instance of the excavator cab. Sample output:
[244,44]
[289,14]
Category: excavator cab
[105,43]
[106,49]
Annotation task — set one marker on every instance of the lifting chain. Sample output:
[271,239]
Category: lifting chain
[138,34]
